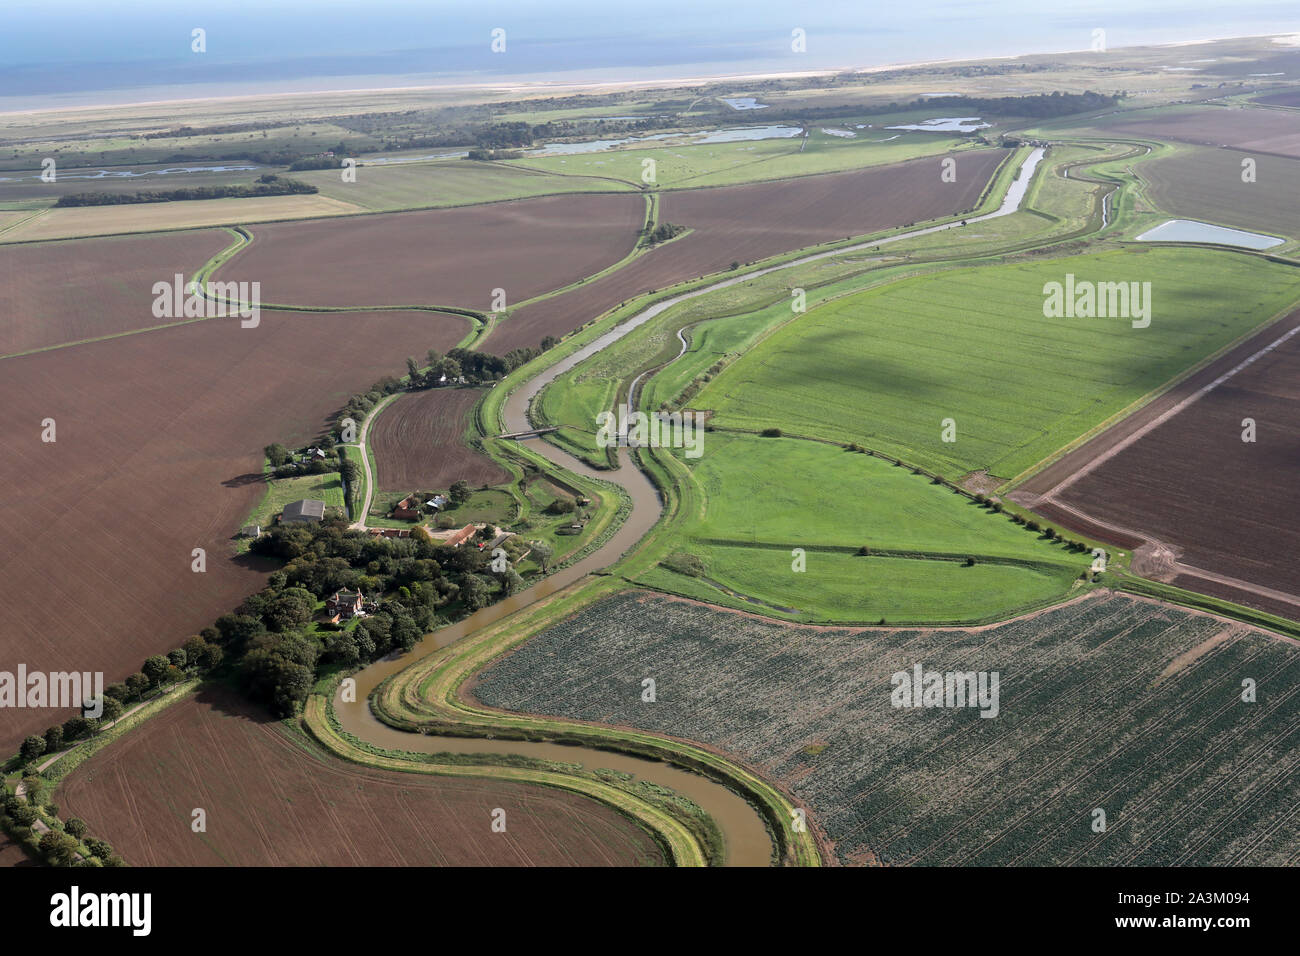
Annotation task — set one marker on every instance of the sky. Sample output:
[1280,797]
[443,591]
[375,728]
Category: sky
[75,45]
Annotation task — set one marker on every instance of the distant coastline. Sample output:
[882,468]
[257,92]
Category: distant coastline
[552,83]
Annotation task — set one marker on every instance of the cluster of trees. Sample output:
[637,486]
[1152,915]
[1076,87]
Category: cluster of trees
[285,463]
[475,367]
[324,162]
[663,232]
[269,637]
[360,405]
[493,154]
[267,185]
[1038,106]
[58,847]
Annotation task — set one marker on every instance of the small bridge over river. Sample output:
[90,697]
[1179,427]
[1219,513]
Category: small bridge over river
[531,433]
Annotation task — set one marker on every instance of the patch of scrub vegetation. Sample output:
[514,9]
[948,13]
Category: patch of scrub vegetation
[888,367]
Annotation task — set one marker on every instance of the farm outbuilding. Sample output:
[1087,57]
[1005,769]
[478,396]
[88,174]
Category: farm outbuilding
[306,510]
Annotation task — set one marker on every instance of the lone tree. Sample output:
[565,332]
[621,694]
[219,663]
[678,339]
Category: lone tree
[460,492]
[543,552]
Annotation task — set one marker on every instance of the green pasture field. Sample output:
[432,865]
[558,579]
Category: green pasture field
[763,497]
[801,493]
[446,183]
[885,368]
[723,164]
[838,587]
[725,324]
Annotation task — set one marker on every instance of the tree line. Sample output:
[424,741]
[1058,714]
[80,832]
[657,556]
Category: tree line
[267,185]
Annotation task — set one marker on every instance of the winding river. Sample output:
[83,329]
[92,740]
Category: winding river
[747,840]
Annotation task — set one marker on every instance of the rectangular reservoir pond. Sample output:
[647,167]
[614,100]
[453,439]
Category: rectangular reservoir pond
[1189,230]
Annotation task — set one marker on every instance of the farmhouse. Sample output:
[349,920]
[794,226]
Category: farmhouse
[408,509]
[307,510]
[437,502]
[343,604]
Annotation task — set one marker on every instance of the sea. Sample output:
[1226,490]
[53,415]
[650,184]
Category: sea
[80,53]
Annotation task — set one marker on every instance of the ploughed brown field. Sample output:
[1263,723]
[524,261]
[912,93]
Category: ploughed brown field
[57,292]
[271,800]
[419,444]
[159,451]
[1285,98]
[1265,131]
[450,257]
[1230,506]
[754,221]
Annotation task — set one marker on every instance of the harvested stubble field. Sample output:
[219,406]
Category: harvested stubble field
[159,451]
[72,221]
[755,221]
[385,187]
[1202,183]
[1257,130]
[273,800]
[1227,505]
[886,367]
[1110,701]
[419,443]
[52,293]
[452,257]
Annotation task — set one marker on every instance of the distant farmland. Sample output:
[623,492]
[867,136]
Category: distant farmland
[443,256]
[1109,702]
[391,186]
[886,367]
[1206,184]
[159,451]
[751,222]
[1260,130]
[57,292]
[419,443]
[272,800]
